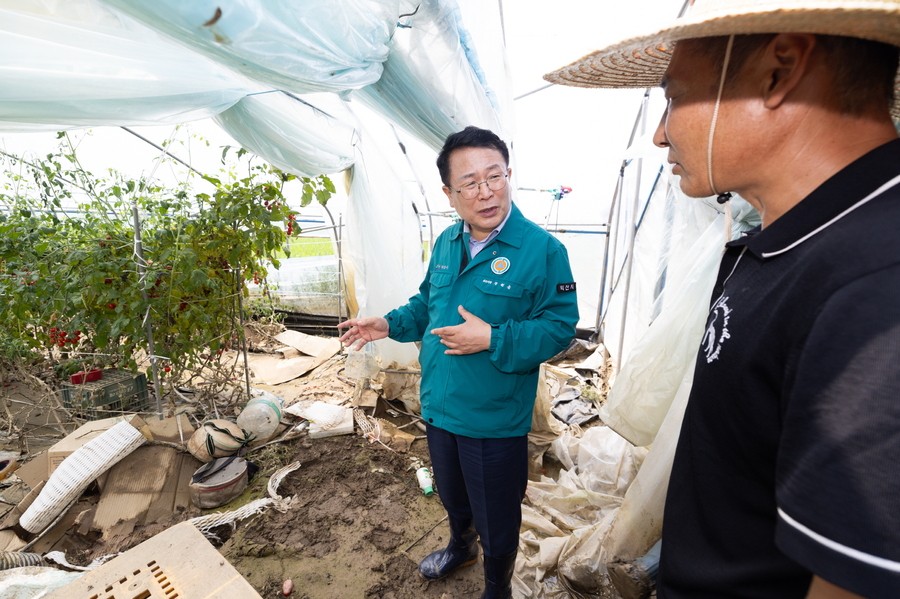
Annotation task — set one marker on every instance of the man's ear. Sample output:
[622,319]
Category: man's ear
[785,61]
[447,192]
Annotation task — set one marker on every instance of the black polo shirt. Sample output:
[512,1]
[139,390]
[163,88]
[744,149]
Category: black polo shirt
[788,461]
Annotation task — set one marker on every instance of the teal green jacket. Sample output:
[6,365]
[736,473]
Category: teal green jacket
[522,285]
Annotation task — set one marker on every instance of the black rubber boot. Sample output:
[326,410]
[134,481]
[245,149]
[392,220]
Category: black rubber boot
[462,550]
[498,573]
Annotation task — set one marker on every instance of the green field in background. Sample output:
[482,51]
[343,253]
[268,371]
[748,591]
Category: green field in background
[309,247]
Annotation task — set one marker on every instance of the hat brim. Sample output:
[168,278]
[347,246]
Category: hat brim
[640,62]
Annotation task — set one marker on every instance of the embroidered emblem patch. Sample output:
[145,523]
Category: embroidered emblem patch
[565,287]
[716,330]
[499,266]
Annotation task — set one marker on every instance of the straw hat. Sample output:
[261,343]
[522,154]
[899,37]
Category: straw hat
[641,61]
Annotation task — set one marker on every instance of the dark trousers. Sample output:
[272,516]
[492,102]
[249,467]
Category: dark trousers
[482,479]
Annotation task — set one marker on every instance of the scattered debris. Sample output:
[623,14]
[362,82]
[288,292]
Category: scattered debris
[206,524]
[31,582]
[178,562]
[217,439]
[216,483]
[350,492]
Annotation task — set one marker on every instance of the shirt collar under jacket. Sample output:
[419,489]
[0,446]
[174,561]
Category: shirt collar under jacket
[511,229]
[839,193]
[476,246]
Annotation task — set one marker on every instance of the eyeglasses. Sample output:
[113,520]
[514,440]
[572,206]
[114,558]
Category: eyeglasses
[469,191]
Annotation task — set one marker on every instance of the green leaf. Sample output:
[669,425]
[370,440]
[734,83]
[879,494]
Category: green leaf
[199,278]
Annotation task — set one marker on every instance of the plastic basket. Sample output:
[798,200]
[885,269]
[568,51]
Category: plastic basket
[118,391]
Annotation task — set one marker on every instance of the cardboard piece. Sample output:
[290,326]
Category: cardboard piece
[35,471]
[9,541]
[145,487]
[318,347]
[59,530]
[273,370]
[288,352]
[167,429]
[178,562]
[304,353]
[90,430]
[364,396]
[12,518]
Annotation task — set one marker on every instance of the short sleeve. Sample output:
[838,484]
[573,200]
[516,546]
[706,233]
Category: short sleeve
[837,479]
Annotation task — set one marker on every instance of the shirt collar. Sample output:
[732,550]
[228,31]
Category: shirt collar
[492,234]
[844,189]
[513,227]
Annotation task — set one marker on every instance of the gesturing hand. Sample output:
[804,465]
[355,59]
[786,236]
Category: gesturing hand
[470,337]
[363,330]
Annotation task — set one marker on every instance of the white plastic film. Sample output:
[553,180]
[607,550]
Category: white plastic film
[75,64]
[290,133]
[639,521]
[384,243]
[430,86]
[310,46]
[648,380]
[565,521]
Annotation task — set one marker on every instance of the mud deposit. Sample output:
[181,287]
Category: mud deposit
[358,528]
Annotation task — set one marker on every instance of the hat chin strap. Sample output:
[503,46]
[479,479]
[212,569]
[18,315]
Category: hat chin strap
[723,198]
[715,117]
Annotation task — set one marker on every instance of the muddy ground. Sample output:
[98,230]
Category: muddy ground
[358,528]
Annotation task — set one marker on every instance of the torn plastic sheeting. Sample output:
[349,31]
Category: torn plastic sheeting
[639,522]
[312,46]
[577,560]
[569,506]
[72,73]
[293,136]
[383,243]
[429,86]
[567,519]
[545,428]
[642,392]
[571,409]
[602,459]
[33,582]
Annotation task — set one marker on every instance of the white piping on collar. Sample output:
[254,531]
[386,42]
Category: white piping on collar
[893,182]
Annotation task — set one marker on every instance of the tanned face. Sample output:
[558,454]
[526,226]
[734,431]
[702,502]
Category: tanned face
[691,84]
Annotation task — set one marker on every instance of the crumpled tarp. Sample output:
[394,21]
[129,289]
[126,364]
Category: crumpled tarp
[291,133]
[565,521]
[33,582]
[310,46]
[431,85]
[76,64]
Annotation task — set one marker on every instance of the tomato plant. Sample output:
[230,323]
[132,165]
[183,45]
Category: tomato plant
[72,283]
